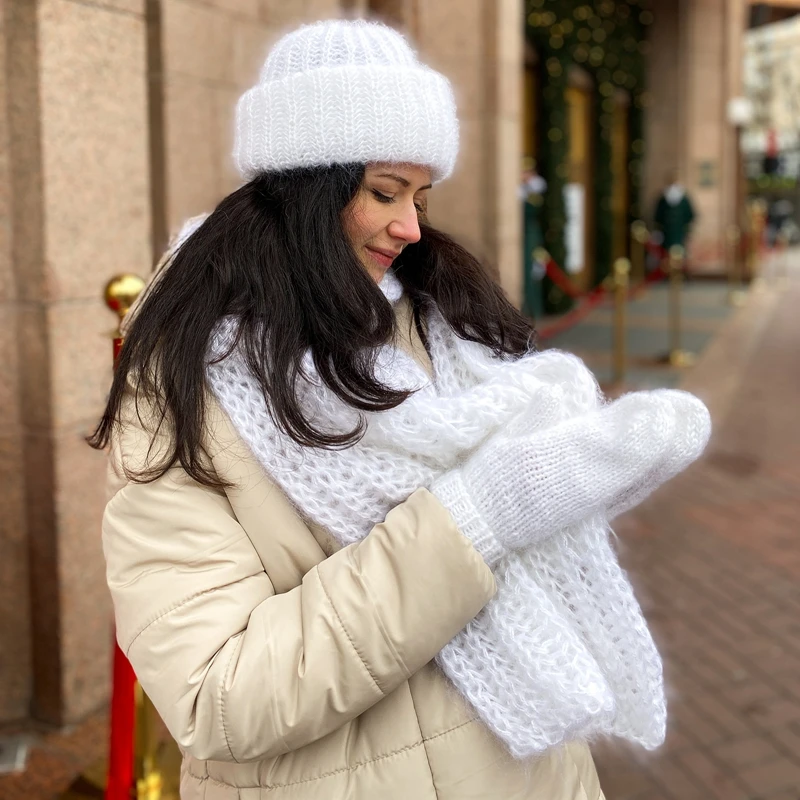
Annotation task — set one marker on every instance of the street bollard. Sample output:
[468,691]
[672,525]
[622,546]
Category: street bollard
[782,271]
[736,295]
[622,270]
[756,222]
[541,256]
[120,294]
[148,776]
[677,357]
[639,237]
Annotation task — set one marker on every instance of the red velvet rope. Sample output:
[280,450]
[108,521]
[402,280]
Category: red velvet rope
[564,282]
[652,247]
[573,317]
[589,300]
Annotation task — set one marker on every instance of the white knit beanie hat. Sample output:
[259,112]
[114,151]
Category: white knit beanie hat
[339,92]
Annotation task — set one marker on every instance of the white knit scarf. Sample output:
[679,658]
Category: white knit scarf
[562,651]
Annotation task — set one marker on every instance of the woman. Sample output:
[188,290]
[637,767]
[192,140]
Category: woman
[334,459]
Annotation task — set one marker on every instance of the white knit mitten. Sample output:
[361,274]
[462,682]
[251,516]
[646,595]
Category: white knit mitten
[693,429]
[512,493]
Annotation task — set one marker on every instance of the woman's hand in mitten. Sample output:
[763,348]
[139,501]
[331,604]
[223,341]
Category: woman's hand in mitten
[692,432]
[514,492]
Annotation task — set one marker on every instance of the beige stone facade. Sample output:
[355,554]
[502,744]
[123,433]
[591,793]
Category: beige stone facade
[74,206]
[695,69]
[116,125]
[772,83]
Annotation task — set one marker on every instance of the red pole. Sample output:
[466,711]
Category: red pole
[120,783]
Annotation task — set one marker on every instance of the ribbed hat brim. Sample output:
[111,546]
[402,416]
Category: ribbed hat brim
[348,114]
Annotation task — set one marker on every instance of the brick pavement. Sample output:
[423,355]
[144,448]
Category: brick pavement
[715,556]
[56,760]
[704,312]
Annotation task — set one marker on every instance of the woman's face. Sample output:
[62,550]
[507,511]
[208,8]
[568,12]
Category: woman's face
[383,216]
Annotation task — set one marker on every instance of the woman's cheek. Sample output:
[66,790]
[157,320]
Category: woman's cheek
[355,222]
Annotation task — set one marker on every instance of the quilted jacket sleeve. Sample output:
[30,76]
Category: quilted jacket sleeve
[239,672]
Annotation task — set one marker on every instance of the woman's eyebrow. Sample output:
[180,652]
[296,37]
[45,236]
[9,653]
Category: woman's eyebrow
[402,181]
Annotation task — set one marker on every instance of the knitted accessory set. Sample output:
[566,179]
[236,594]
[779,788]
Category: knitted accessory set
[562,651]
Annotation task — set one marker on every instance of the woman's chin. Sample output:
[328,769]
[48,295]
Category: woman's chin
[376,269]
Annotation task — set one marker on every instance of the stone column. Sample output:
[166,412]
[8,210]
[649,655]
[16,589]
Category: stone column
[694,70]
[15,633]
[663,124]
[211,51]
[77,170]
[504,72]
[478,45]
[736,19]
[709,54]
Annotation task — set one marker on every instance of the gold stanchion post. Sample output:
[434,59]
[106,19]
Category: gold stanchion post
[639,236]
[151,756]
[677,357]
[736,295]
[120,294]
[541,255]
[149,780]
[622,270]
[782,273]
[756,220]
[156,763]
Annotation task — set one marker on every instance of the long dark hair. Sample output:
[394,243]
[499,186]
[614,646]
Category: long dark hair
[274,254]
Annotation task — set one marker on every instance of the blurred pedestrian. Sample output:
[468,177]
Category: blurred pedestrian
[674,213]
[531,193]
[779,220]
[343,485]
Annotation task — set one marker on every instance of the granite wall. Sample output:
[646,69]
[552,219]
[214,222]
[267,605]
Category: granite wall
[76,213]
[115,126]
[15,615]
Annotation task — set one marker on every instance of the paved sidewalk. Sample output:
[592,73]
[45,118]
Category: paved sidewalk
[56,760]
[704,311]
[715,556]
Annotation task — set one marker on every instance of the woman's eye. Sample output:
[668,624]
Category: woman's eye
[382,198]
[419,208]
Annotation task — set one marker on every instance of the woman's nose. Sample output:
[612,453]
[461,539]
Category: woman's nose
[406,226]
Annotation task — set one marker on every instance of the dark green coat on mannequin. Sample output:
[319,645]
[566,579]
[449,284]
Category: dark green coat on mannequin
[674,220]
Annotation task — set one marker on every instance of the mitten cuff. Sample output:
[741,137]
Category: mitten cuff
[451,492]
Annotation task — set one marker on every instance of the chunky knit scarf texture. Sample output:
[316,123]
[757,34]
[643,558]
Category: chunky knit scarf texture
[562,651]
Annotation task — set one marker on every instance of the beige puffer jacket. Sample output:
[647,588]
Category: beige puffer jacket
[290,670]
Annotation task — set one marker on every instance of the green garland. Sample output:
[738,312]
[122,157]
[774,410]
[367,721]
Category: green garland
[607,38]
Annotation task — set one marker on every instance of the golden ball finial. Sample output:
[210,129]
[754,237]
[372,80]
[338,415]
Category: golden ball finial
[121,292]
[639,231]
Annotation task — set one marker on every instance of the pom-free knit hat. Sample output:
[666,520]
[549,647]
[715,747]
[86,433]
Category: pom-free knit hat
[339,92]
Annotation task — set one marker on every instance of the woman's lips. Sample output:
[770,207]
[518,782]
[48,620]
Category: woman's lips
[381,257]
